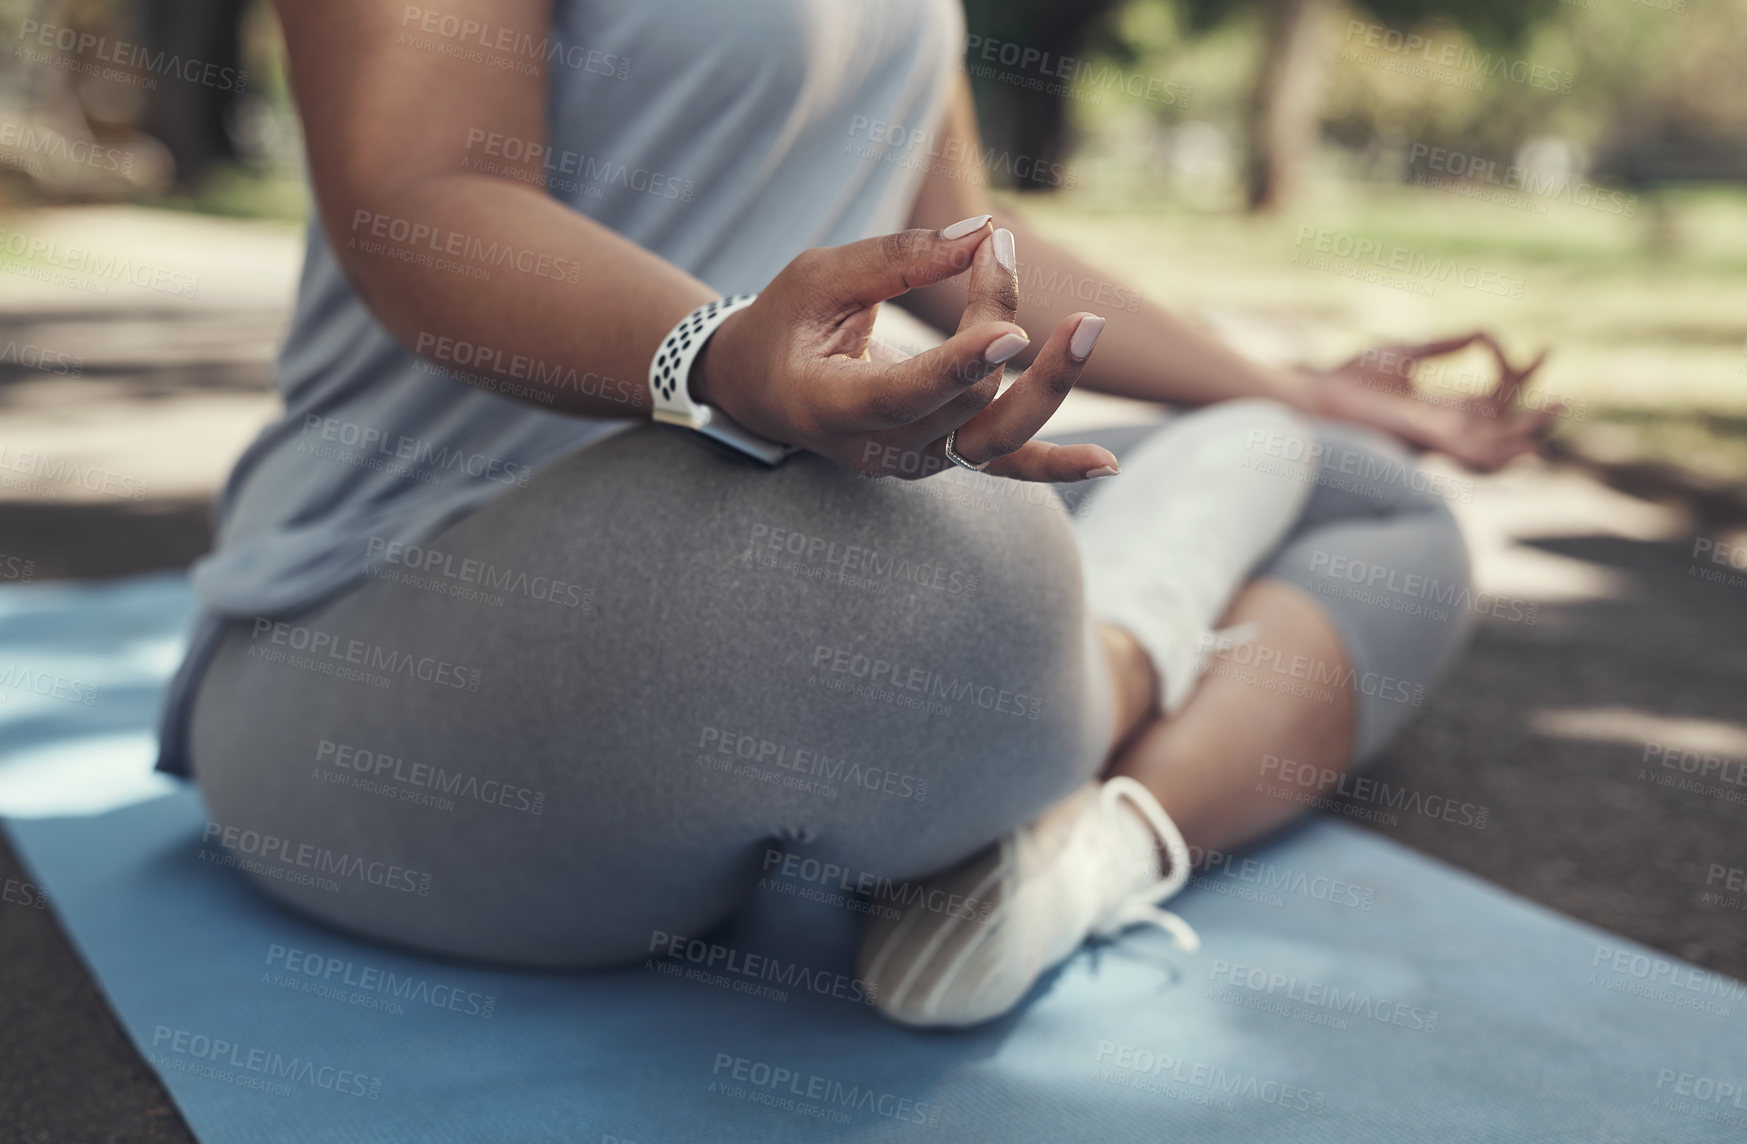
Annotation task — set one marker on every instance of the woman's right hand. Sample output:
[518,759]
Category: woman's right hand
[798,365]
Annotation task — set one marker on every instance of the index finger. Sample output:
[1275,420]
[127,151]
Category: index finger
[994,283]
[1438,348]
[864,273]
[870,396]
[1511,379]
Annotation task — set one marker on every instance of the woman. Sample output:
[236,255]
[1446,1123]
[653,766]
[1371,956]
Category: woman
[476,643]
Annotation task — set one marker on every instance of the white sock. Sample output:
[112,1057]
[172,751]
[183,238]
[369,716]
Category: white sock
[1168,541]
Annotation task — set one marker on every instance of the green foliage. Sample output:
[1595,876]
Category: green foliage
[1502,22]
[1499,22]
[1046,25]
[1647,346]
[1648,74]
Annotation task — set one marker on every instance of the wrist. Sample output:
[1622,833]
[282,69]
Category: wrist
[686,387]
[719,382]
[1298,387]
[707,382]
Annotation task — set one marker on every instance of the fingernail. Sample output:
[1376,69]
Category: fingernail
[1004,251]
[1085,337]
[1004,347]
[1103,471]
[966,226]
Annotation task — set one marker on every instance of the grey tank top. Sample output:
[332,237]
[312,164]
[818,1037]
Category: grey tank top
[725,136]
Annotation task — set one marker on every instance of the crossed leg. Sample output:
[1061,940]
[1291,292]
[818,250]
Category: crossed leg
[1353,618]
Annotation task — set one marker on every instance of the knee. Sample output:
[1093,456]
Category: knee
[1446,555]
[945,548]
[1258,411]
[942,637]
[982,683]
[1449,541]
[1253,422]
[1253,434]
[936,627]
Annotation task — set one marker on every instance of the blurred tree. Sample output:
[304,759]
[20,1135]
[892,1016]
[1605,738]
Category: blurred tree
[1015,116]
[1287,100]
[1285,107]
[192,118]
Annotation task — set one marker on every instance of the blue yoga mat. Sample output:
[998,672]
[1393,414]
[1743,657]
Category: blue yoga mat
[1348,990]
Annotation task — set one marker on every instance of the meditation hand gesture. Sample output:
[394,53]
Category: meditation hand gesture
[1483,432]
[800,364]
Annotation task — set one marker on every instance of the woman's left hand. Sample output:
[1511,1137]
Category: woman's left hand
[1484,432]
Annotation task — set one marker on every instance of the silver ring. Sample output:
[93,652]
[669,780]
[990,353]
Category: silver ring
[952,455]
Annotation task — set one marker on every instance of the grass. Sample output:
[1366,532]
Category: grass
[242,191]
[1644,313]
[1643,309]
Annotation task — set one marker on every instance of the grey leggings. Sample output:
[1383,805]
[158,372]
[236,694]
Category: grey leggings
[583,715]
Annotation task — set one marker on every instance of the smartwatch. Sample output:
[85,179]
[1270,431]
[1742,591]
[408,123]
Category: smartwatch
[670,376]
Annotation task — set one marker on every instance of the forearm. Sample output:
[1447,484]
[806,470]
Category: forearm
[480,272]
[548,299]
[1146,351]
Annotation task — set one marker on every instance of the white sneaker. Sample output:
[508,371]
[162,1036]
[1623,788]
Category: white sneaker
[1086,867]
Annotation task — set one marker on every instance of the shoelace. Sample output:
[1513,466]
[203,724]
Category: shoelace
[1142,907]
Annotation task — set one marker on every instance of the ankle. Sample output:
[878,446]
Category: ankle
[1135,682]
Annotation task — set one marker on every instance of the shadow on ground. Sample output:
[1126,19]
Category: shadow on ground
[87,540]
[1571,822]
[1576,821]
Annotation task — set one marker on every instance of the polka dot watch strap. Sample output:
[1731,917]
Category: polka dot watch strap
[670,372]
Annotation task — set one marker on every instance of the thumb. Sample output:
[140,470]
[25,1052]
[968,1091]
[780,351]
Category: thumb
[861,274]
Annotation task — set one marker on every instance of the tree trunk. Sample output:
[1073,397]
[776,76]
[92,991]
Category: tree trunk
[1028,131]
[190,117]
[1286,110]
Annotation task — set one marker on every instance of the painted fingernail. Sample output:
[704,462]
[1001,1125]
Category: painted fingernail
[1004,347]
[1102,471]
[966,226]
[1004,251]
[1085,337]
